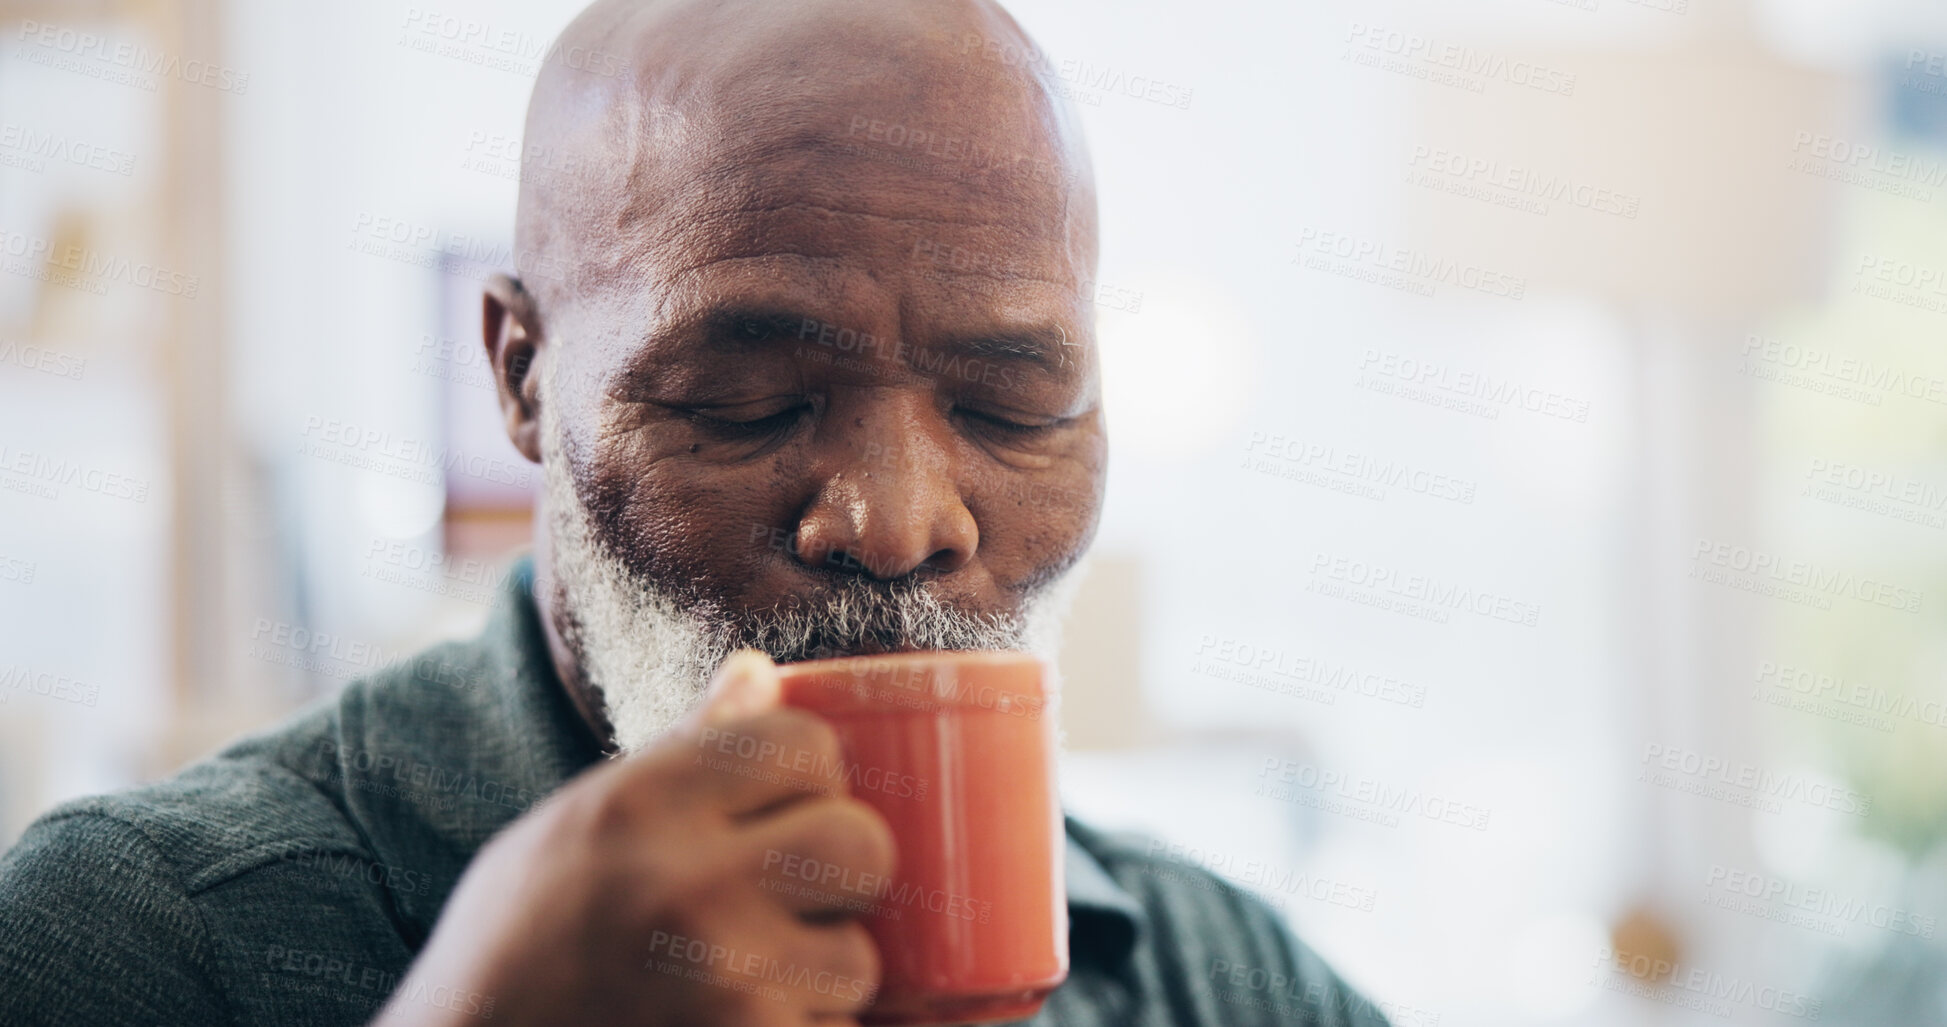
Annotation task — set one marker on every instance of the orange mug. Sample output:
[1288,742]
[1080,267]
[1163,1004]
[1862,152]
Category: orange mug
[957,751]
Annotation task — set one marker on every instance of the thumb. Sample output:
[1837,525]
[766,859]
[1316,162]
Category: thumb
[747,683]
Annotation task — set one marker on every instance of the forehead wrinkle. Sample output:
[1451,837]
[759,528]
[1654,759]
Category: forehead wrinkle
[767,255]
[742,231]
[765,173]
[727,230]
[819,208]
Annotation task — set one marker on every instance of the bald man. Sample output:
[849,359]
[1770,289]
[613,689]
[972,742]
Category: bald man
[811,372]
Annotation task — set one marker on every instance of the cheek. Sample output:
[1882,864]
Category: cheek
[1031,522]
[690,526]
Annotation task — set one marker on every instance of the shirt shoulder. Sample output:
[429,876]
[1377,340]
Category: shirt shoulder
[96,927]
[311,785]
[1219,949]
[289,878]
[232,813]
[170,903]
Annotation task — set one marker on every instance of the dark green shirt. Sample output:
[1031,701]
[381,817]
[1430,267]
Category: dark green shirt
[291,879]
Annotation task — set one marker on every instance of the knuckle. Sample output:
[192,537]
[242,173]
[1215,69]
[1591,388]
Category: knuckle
[848,833]
[861,958]
[870,836]
[599,808]
[784,738]
[850,964]
[810,733]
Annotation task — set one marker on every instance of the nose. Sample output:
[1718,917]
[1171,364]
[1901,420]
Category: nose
[888,500]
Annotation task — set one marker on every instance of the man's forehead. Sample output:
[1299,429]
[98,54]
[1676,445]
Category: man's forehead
[884,133]
[829,210]
[849,154]
[845,234]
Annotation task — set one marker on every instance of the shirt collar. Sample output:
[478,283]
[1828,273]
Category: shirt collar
[485,731]
[1105,921]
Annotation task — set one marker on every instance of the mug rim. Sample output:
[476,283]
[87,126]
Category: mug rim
[977,657]
[998,680]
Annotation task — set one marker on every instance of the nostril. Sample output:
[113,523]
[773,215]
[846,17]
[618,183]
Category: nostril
[947,559]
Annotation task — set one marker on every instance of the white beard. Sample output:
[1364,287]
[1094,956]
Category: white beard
[650,657]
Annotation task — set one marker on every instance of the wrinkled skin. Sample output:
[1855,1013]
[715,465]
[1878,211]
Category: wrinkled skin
[737,215]
[704,240]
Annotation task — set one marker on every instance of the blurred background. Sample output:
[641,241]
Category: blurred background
[1526,554]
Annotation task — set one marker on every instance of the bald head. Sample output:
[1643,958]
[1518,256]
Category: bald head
[726,104]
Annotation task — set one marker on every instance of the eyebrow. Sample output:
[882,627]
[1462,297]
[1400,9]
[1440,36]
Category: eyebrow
[1047,346]
[743,329]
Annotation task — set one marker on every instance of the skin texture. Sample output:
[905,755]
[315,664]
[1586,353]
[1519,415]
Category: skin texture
[704,240]
[765,184]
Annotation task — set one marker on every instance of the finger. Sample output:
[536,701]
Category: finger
[828,859]
[773,968]
[753,766]
[828,970]
[745,685]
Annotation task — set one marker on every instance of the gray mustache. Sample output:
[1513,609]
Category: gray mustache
[855,616]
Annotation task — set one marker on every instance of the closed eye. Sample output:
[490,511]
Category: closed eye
[1015,426]
[730,423]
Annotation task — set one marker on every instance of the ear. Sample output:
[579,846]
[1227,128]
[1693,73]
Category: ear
[510,326]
